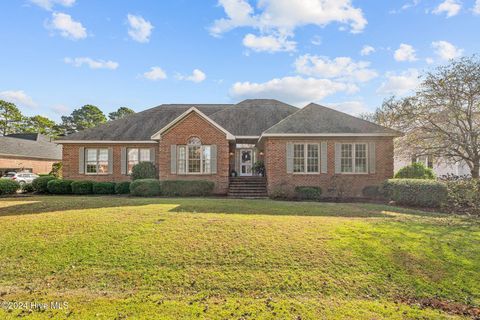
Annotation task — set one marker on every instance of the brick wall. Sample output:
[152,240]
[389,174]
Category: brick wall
[194,125]
[277,176]
[38,166]
[70,161]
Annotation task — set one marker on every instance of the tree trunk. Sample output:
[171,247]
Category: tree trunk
[475,170]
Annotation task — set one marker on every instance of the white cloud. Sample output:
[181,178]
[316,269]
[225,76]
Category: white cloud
[139,28]
[155,73]
[405,53]
[449,7]
[367,50]
[67,27]
[197,76]
[18,97]
[350,107]
[476,8]
[317,40]
[268,43]
[340,68]
[445,50]
[400,84]
[60,109]
[93,64]
[49,4]
[296,90]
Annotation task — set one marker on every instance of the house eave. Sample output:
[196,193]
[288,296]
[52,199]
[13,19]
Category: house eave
[103,141]
[287,135]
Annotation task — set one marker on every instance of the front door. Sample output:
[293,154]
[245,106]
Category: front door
[246,162]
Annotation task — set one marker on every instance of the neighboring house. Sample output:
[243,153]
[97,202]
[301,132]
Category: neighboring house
[440,167]
[313,146]
[31,152]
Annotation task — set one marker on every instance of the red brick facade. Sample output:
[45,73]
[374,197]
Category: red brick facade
[38,166]
[351,184]
[194,125]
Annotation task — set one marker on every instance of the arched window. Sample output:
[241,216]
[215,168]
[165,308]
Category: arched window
[194,158]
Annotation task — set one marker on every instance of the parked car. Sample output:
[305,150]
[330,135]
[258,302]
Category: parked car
[21,177]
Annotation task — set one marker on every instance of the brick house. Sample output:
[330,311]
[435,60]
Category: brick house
[313,146]
[31,152]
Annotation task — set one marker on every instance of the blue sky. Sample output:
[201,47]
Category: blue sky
[58,55]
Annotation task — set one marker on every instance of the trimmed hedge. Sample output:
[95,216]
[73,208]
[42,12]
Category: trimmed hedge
[82,187]
[27,188]
[144,170]
[416,192]
[308,193]
[145,188]
[186,188]
[40,183]
[60,186]
[8,186]
[122,187]
[415,171]
[463,196]
[103,187]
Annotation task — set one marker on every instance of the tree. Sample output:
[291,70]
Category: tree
[86,117]
[40,124]
[120,113]
[10,118]
[443,118]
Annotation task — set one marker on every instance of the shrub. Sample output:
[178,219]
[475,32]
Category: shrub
[280,192]
[82,187]
[145,188]
[185,188]
[308,193]
[122,187]
[415,171]
[463,196]
[416,192]
[27,188]
[144,170]
[40,183]
[59,186]
[103,187]
[372,192]
[8,186]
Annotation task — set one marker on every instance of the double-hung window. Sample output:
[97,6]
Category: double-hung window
[305,158]
[135,156]
[194,158]
[353,158]
[97,161]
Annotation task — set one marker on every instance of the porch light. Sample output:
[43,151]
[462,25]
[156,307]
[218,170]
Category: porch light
[261,153]
[231,154]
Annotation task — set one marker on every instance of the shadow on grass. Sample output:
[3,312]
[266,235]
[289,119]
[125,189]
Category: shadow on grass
[43,204]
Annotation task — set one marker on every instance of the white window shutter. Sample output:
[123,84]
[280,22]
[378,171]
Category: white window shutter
[110,160]
[173,158]
[152,155]
[323,157]
[338,158]
[213,158]
[371,157]
[237,161]
[289,157]
[81,160]
[123,160]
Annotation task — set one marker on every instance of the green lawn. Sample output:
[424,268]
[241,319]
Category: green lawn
[130,258]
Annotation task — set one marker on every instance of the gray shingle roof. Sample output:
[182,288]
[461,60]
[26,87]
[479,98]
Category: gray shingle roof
[317,119]
[25,146]
[253,116]
[142,125]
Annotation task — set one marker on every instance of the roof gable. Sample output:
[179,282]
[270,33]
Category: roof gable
[24,146]
[315,119]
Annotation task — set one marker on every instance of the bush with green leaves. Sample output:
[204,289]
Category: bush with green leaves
[27,188]
[416,192]
[463,196]
[308,193]
[122,187]
[103,187]
[372,192]
[416,170]
[145,188]
[144,170]
[40,183]
[82,187]
[60,186]
[186,188]
[8,186]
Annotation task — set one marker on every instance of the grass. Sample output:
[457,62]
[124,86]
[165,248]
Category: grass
[120,257]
